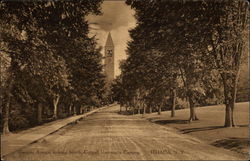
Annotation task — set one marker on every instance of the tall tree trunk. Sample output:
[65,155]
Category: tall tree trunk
[193,116]
[232,105]
[81,109]
[55,103]
[39,113]
[159,110]
[229,103]
[133,105]
[228,116]
[6,110]
[150,109]
[74,110]
[7,106]
[70,109]
[232,116]
[230,98]
[234,96]
[144,109]
[173,102]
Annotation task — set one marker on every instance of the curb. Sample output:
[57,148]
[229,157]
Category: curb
[55,130]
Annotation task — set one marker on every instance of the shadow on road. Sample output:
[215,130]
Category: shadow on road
[164,122]
[237,144]
[124,112]
[186,131]
[232,142]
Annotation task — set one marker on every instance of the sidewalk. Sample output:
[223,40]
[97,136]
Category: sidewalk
[13,142]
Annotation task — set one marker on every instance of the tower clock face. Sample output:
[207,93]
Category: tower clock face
[109,52]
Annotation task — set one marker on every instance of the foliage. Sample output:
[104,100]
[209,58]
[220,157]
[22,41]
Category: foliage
[196,48]
[52,58]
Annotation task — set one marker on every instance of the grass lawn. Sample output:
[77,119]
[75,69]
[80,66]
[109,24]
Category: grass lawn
[209,127]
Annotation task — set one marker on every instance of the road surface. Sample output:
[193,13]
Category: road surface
[106,135]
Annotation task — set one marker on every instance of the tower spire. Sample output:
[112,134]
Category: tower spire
[109,41]
[109,59]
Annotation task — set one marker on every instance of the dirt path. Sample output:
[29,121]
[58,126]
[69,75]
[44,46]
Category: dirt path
[107,135]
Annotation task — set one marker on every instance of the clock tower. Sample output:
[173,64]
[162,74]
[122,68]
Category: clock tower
[109,67]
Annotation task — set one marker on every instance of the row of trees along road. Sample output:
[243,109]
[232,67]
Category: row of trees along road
[185,49]
[50,67]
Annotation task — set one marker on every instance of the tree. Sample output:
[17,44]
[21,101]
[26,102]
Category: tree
[47,54]
[205,38]
[177,56]
[228,36]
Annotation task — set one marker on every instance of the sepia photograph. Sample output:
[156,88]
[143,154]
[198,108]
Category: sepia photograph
[124,80]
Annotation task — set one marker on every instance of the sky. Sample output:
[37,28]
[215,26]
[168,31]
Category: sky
[117,18]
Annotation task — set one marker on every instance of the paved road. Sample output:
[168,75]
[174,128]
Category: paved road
[107,135]
[15,141]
